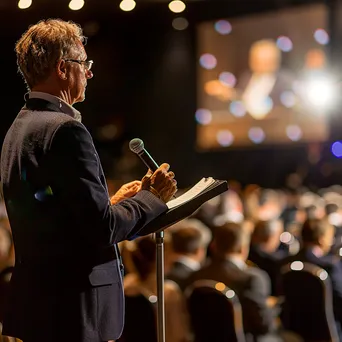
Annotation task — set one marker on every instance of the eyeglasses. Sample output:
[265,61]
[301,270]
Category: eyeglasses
[87,64]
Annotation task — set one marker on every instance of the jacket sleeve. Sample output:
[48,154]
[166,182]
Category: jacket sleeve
[76,178]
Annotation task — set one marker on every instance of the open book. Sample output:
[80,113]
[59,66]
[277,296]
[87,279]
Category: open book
[186,204]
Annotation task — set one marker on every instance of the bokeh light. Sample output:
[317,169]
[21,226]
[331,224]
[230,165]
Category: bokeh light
[321,36]
[294,132]
[225,138]
[127,5]
[208,61]
[177,6]
[322,274]
[336,149]
[256,134]
[237,109]
[296,266]
[230,294]
[153,299]
[220,286]
[23,4]
[320,92]
[203,116]
[288,99]
[227,78]
[223,27]
[180,23]
[284,43]
[286,237]
[76,5]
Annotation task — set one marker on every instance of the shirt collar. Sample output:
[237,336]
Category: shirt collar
[237,262]
[191,263]
[64,107]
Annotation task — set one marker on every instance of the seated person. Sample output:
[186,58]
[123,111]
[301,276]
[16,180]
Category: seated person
[252,285]
[264,250]
[189,242]
[143,281]
[317,238]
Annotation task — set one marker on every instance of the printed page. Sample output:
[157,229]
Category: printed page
[191,193]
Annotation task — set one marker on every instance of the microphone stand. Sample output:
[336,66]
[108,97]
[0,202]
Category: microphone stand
[160,287]
[137,146]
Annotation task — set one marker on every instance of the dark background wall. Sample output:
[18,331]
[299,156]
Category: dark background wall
[145,85]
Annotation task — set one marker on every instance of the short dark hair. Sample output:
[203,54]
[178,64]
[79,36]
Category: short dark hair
[313,230]
[263,230]
[186,240]
[230,238]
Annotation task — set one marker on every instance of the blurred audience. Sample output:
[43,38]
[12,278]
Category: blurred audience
[252,285]
[265,252]
[189,241]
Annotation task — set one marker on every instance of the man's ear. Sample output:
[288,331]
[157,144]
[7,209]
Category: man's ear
[61,70]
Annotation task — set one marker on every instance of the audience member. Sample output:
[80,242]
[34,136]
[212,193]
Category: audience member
[317,238]
[252,285]
[189,242]
[265,251]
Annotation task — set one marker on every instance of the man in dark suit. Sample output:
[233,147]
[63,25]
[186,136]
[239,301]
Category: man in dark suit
[317,238]
[67,282]
[252,285]
[189,241]
[265,252]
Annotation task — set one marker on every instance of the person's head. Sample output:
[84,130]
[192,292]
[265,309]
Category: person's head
[316,232]
[144,256]
[188,239]
[231,239]
[264,56]
[266,234]
[51,57]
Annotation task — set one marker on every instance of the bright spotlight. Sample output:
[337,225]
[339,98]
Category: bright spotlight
[127,5]
[177,6]
[23,4]
[76,5]
[320,92]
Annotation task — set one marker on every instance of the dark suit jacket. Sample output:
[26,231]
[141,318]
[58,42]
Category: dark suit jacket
[66,284]
[179,273]
[252,287]
[270,263]
[333,267]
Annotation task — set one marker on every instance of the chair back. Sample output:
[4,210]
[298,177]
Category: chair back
[308,309]
[215,312]
[140,319]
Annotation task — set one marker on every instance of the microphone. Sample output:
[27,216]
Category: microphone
[137,146]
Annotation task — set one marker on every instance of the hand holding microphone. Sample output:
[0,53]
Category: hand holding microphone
[158,180]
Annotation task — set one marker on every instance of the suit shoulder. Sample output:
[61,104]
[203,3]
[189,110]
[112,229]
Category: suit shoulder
[256,275]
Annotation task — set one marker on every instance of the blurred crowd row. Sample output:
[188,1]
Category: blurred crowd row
[241,240]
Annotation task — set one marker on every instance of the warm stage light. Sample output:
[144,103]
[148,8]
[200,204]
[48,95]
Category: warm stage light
[177,6]
[23,4]
[320,93]
[127,5]
[76,5]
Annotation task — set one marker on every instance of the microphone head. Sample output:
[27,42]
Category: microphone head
[136,145]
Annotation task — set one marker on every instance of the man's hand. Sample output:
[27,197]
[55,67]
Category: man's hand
[126,191]
[161,183]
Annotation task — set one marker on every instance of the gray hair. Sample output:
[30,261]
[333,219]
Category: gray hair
[42,45]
